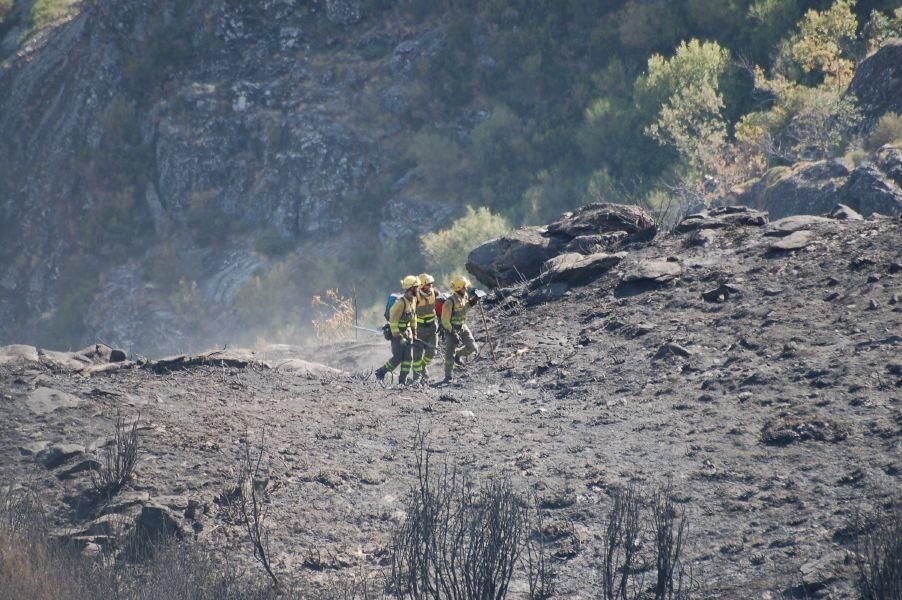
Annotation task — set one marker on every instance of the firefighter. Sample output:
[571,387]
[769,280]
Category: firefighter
[424,348]
[402,323]
[459,340]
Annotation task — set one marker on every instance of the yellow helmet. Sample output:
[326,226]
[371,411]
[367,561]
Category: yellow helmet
[460,283]
[410,281]
[426,278]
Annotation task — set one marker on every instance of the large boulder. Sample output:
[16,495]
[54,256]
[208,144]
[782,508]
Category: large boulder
[597,218]
[721,218]
[868,191]
[592,229]
[889,159]
[877,83]
[804,189]
[512,258]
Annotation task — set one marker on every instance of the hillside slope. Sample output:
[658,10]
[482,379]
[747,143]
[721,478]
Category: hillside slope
[773,405]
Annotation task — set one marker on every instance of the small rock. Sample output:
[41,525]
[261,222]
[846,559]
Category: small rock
[658,271]
[60,453]
[118,355]
[46,400]
[82,467]
[672,349]
[33,448]
[873,304]
[793,241]
[157,522]
[723,292]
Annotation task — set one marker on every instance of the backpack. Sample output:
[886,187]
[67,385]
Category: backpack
[439,302]
[392,298]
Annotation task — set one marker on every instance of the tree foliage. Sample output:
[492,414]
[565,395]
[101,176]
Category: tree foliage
[446,250]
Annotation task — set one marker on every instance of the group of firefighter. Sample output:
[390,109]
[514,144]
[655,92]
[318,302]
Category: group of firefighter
[414,323]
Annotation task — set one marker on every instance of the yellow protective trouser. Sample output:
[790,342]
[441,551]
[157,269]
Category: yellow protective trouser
[424,353]
[401,354]
[467,347]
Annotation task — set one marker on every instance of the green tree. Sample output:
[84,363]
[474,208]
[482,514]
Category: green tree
[446,250]
[825,43]
[686,90]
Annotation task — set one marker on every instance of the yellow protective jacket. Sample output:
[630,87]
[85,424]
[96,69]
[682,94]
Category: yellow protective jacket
[402,315]
[426,307]
[454,311]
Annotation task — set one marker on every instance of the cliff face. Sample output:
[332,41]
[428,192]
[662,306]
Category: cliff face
[142,137]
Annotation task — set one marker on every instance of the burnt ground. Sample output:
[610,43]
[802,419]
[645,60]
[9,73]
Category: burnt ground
[775,409]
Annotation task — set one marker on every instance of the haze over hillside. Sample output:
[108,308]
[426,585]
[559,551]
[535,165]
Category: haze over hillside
[180,174]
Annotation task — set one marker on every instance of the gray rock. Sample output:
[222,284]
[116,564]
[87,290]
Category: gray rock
[844,213]
[33,448]
[577,269]
[44,400]
[520,255]
[721,293]
[64,361]
[889,160]
[82,467]
[591,244]
[720,218]
[672,349]
[868,191]
[794,241]
[157,522]
[787,225]
[511,258]
[657,271]
[877,83]
[804,189]
[598,218]
[18,354]
[58,454]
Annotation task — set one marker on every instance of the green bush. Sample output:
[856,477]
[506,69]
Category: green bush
[446,250]
[45,13]
[888,130]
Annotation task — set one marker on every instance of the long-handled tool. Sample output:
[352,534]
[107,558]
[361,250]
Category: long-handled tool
[488,336]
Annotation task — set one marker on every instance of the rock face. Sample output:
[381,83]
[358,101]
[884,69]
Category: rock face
[816,188]
[185,120]
[877,83]
[594,229]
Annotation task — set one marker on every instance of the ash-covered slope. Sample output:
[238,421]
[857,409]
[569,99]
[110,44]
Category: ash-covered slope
[757,365]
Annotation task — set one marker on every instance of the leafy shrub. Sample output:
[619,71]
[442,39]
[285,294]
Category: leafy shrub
[685,92]
[881,27]
[45,13]
[446,250]
[888,130]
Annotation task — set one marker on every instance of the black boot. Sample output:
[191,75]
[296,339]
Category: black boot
[402,377]
[380,373]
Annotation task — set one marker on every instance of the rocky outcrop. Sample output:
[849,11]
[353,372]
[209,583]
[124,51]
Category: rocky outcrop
[816,188]
[195,126]
[595,230]
[877,83]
